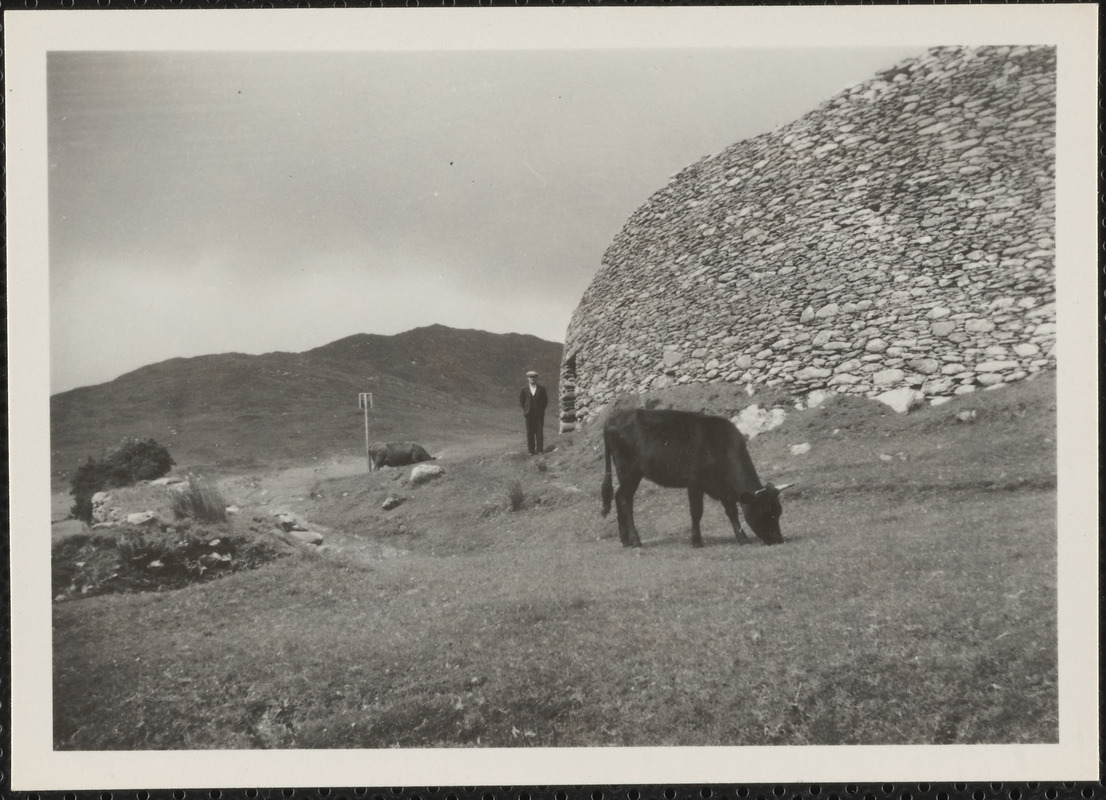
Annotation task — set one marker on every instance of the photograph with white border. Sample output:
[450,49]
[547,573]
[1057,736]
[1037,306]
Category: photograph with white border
[243,245]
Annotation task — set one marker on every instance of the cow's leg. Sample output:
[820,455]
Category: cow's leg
[695,499]
[624,500]
[730,504]
[620,511]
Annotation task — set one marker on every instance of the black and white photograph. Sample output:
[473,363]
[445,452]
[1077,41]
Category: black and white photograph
[485,396]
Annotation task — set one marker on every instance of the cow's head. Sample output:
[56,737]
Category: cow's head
[763,510]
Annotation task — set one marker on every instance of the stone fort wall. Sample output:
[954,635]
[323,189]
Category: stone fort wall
[900,235]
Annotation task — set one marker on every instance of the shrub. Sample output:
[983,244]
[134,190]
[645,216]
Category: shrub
[201,500]
[91,477]
[133,460]
[141,459]
[515,494]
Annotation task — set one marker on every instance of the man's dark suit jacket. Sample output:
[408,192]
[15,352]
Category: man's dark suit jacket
[533,405]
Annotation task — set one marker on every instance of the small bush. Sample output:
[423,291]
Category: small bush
[140,459]
[91,477]
[200,500]
[133,460]
[515,495]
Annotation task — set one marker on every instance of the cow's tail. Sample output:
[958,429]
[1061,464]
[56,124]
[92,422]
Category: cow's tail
[607,492]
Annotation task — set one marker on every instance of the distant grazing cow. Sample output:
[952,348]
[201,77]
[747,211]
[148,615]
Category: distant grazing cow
[397,454]
[705,454]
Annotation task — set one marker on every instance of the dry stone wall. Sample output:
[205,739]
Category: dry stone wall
[899,236]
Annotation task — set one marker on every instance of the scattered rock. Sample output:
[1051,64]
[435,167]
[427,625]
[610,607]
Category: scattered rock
[306,536]
[937,386]
[288,522]
[165,481]
[817,398]
[390,502]
[903,399]
[753,421]
[800,449]
[142,518]
[100,512]
[423,473]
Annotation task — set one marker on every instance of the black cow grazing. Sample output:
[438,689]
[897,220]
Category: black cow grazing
[705,454]
[397,454]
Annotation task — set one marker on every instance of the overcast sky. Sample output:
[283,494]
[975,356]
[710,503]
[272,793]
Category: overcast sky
[252,202]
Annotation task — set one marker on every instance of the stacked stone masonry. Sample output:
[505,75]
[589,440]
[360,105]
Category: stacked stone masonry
[900,235]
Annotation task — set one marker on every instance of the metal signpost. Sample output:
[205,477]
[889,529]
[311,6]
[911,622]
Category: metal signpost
[365,401]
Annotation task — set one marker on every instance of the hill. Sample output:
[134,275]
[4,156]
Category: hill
[234,410]
[478,365]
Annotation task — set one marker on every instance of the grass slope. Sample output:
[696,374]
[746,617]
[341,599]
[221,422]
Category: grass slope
[914,601]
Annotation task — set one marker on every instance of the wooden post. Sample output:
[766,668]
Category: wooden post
[365,401]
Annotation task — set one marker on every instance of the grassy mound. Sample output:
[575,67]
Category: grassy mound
[143,559]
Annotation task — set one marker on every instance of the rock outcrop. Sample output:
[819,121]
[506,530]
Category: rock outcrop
[145,503]
[900,236]
[294,530]
[424,473]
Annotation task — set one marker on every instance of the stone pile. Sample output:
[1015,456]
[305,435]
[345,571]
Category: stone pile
[900,236]
[145,503]
[294,530]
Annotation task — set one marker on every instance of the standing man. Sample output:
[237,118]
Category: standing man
[533,398]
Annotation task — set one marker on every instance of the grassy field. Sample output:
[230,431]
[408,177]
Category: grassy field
[913,601]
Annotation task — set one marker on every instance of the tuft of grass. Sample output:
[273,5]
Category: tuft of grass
[515,495]
[201,500]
